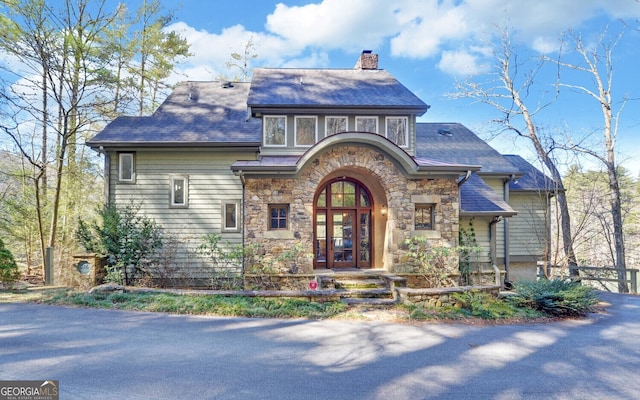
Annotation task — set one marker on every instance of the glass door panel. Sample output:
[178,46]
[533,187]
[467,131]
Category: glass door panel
[321,237]
[364,238]
[342,238]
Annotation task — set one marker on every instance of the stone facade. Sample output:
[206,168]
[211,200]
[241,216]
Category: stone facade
[389,188]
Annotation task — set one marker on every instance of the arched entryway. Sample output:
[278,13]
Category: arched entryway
[343,228]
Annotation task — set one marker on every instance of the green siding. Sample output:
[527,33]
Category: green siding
[528,228]
[211,182]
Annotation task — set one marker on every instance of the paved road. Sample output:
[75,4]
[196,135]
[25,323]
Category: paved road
[100,354]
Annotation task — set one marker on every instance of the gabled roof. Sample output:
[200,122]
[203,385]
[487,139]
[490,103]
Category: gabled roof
[330,88]
[532,181]
[454,143]
[477,199]
[195,114]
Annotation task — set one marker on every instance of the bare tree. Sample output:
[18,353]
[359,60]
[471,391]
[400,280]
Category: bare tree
[508,94]
[595,62]
[56,72]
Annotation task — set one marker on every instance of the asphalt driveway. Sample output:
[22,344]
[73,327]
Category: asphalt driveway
[102,354]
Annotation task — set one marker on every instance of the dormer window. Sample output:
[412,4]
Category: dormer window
[306,133]
[275,130]
[335,125]
[398,130]
[367,124]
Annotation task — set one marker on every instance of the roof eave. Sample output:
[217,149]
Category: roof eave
[488,213]
[173,145]
[266,109]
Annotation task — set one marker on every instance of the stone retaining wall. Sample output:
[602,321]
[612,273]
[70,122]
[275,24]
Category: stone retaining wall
[439,297]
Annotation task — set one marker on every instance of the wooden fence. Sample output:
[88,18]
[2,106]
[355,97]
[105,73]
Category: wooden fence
[600,274]
[604,274]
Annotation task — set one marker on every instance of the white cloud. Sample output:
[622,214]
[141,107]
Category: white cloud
[421,29]
[461,64]
[334,24]
[428,26]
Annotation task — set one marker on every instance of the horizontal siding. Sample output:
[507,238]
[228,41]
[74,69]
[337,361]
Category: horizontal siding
[498,186]
[211,182]
[482,235]
[528,229]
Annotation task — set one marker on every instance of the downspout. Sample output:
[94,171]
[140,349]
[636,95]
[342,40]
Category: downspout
[493,247]
[507,257]
[107,175]
[242,230]
[466,178]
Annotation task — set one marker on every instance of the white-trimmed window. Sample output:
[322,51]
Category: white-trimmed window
[367,124]
[424,217]
[126,167]
[306,130]
[335,125]
[398,130]
[275,130]
[179,191]
[230,216]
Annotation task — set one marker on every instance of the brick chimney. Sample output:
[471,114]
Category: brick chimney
[367,60]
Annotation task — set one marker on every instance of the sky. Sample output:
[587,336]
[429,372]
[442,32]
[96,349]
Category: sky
[430,46]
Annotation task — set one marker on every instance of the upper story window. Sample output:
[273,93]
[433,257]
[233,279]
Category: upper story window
[367,124]
[275,130]
[126,171]
[398,130]
[179,191]
[335,125]
[306,132]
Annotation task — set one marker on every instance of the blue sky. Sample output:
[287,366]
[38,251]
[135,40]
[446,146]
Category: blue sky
[428,45]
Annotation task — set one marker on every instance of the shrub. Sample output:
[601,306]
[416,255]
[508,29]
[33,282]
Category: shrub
[437,264]
[484,305]
[554,297]
[9,272]
[128,238]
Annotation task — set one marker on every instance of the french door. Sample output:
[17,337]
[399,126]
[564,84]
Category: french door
[342,233]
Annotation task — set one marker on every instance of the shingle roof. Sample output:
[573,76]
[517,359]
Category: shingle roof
[277,87]
[477,198]
[533,180]
[454,143]
[196,113]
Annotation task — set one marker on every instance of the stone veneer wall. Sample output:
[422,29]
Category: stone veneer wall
[351,161]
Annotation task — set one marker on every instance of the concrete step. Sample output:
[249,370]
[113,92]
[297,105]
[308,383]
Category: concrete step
[369,301]
[363,283]
[364,293]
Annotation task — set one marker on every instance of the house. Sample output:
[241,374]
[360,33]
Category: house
[331,162]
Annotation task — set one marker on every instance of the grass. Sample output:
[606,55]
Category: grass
[241,306]
[470,306]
